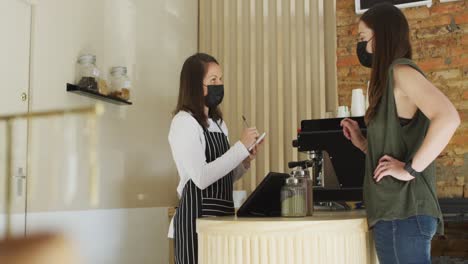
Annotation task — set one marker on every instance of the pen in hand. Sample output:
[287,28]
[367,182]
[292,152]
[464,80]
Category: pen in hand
[245,121]
[246,124]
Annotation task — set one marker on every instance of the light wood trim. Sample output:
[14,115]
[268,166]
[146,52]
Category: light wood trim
[308,57]
[267,83]
[280,82]
[330,56]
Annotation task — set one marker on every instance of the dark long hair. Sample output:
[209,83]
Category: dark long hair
[391,41]
[191,98]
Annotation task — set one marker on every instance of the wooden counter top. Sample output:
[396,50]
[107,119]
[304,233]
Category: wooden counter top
[317,216]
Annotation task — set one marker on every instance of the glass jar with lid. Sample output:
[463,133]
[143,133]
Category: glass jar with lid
[120,83]
[87,74]
[303,176]
[293,198]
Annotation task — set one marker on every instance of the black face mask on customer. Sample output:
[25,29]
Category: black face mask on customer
[215,95]
[365,58]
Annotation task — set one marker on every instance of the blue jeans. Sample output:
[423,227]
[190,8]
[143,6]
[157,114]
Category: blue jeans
[405,241]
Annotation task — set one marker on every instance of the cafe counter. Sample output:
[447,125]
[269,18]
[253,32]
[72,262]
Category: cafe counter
[326,237]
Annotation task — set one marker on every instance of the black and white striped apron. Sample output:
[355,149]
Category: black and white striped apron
[215,200]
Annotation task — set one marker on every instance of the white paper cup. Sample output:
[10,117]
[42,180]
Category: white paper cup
[342,112]
[358,105]
[239,197]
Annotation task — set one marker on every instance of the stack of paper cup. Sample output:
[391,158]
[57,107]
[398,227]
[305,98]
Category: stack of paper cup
[342,111]
[358,105]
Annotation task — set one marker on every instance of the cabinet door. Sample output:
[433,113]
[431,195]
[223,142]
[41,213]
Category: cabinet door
[15,21]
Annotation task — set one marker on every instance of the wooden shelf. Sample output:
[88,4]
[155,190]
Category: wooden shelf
[96,95]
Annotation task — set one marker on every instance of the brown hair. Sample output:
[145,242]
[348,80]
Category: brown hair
[191,98]
[390,42]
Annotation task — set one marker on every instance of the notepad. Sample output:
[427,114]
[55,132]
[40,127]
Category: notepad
[259,139]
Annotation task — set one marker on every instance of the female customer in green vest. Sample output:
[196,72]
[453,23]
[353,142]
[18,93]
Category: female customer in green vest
[409,123]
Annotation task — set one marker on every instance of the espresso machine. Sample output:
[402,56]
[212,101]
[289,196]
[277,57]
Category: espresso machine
[332,166]
[336,167]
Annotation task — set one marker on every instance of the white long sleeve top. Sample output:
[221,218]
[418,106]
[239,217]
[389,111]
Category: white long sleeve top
[187,142]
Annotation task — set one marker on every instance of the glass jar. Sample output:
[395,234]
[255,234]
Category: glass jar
[120,83]
[87,74]
[303,176]
[293,198]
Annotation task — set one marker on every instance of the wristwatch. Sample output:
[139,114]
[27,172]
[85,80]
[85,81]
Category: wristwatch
[410,169]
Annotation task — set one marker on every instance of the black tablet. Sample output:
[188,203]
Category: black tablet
[265,199]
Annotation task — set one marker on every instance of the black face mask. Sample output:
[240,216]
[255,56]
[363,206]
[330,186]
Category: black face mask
[365,58]
[215,95]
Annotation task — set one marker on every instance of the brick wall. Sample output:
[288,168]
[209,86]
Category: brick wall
[440,48]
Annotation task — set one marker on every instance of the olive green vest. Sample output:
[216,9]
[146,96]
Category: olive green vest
[392,199]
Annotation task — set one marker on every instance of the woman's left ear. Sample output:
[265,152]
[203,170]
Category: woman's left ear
[370,45]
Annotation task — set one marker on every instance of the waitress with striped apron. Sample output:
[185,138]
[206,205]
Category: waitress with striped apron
[206,163]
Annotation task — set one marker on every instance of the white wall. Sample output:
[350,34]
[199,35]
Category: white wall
[152,38]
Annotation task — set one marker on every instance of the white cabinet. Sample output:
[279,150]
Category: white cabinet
[15,21]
